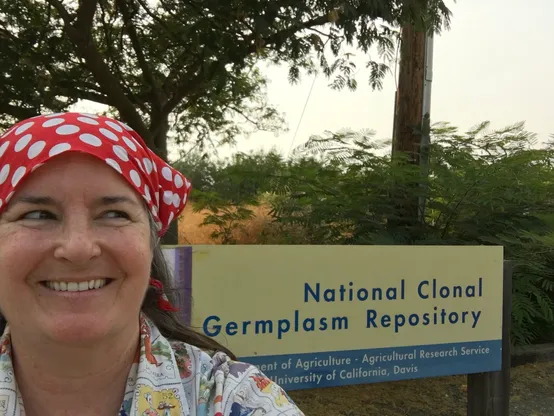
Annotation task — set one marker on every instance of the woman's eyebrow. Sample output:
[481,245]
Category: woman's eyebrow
[117,199]
[34,200]
[46,200]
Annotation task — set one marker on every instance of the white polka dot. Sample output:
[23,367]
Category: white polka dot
[0,203]
[114,165]
[176,200]
[147,195]
[53,122]
[187,183]
[171,216]
[121,153]
[184,199]
[135,177]
[88,120]
[155,167]
[147,165]
[3,148]
[109,134]
[130,144]
[125,126]
[166,173]
[59,148]
[4,173]
[89,115]
[9,197]
[155,211]
[90,139]
[22,143]
[139,164]
[17,175]
[24,127]
[157,195]
[115,126]
[168,197]
[136,142]
[178,181]
[67,129]
[6,133]
[35,149]
[37,166]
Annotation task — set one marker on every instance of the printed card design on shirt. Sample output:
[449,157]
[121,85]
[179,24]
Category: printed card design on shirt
[158,402]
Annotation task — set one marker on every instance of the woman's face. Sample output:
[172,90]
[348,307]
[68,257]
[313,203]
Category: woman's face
[75,252]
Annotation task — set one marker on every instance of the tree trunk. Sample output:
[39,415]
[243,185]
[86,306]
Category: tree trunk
[171,237]
[161,149]
[159,128]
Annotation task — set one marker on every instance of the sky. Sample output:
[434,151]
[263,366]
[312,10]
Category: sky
[496,63]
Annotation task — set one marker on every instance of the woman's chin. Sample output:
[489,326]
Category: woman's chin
[79,328]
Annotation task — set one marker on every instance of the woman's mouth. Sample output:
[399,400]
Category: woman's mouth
[61,286]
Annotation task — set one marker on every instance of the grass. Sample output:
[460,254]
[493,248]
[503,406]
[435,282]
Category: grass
[192,232]
[446,396]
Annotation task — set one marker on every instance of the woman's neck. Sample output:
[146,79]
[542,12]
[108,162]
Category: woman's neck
[56,380]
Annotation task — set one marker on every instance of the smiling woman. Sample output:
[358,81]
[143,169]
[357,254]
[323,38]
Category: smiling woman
[88,326]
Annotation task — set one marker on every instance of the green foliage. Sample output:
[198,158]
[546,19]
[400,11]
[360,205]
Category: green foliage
[185,66]
[228,189]
[227,217]
[485,187]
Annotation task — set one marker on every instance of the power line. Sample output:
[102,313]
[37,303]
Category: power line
[302,115]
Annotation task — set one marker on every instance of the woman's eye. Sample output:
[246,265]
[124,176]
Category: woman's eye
[116,214]
[38,215]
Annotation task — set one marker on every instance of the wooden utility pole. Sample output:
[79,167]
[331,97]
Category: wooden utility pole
[411,136]
[409,95]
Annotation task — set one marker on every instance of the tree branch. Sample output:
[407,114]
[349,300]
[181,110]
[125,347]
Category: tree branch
[66,17]
[328,35]
[85,15]
[190,87]
[147,73]
[279,37]
[72,91]
[159,21]
[116,68]
[187,87]
[244,115]
[80,35]
[18,112]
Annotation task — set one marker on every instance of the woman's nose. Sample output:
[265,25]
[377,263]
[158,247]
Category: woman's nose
[77,243]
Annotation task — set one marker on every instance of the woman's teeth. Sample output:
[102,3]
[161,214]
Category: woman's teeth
[76,286]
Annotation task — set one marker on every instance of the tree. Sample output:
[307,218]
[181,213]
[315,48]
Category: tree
[186,66]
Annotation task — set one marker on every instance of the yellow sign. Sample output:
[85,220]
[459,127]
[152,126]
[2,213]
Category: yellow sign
[335,304]
[293,299]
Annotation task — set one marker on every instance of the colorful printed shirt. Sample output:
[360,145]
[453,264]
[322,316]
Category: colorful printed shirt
[171,378]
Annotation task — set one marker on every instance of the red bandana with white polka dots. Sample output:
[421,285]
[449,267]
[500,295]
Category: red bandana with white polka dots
[32,142]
